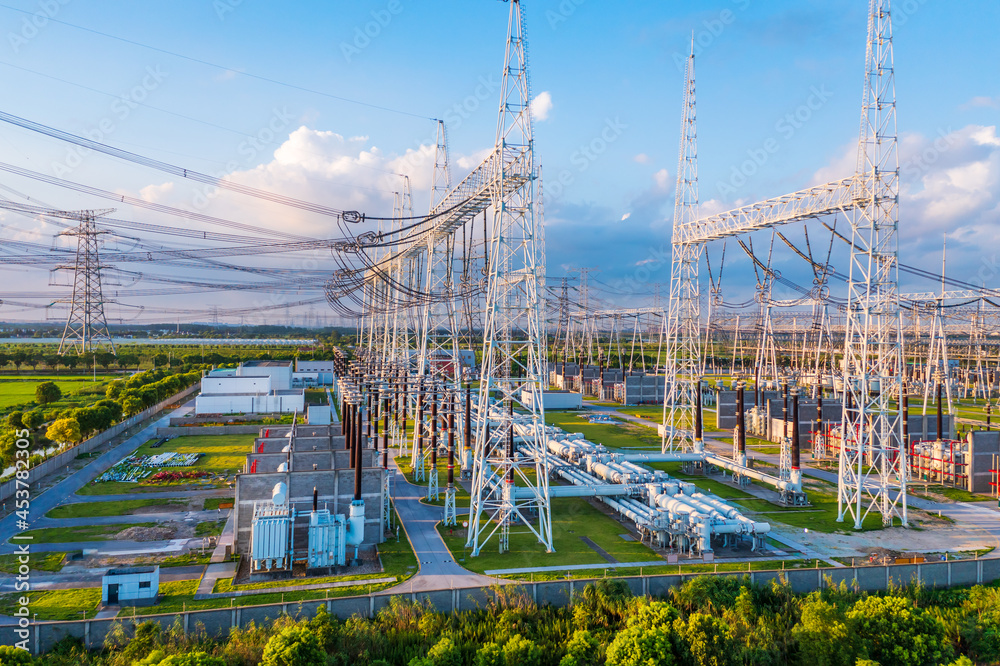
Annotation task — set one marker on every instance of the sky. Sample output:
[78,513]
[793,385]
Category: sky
[331,101]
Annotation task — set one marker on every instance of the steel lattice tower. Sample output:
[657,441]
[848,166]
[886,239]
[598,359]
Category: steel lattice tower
[86,328]
[872,461]
[503,492]
[683,364]
[439,327]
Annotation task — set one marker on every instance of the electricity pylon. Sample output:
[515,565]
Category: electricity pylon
[872,474]
[86,328]
[683,362]
[510,485]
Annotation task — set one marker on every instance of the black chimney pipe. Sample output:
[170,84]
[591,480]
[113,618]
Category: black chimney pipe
[315,498]
[796,443]
[940,414]
[741,436]
[451,443]
[434,430]
[697,412]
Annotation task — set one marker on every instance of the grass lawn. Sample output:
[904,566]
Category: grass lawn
[80,533]
[615,436]
[119,508]
[573,518]
[59,604]
[121,487]
[212,503]
[187,559]
[957,494]
[20,389]
[222,453]
[37,562]
[209,528]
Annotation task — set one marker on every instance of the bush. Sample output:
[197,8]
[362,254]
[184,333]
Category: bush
[895,633]
[294,646]
[12,656]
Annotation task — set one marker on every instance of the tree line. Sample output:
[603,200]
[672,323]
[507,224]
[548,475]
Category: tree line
[709,621]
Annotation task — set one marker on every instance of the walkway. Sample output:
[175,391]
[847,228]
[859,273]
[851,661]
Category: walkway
[436,568]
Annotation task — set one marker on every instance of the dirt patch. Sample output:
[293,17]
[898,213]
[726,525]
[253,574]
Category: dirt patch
[161,533]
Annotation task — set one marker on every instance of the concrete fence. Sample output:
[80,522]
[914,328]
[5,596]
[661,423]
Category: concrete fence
[219,621]
[62,459]
[209,430]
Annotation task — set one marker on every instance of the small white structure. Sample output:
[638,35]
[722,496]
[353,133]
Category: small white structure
[555,400]
[130,586]
[320,415]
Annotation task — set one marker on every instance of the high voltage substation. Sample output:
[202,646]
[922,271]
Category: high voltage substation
[465,286]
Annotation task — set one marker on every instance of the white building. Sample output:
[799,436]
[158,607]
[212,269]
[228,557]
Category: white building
[255,387]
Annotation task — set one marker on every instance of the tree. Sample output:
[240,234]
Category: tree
[132,405]
[294,646]
[648,639]
[33,419]
[18,358]
[708,641]
[104,359]
[160,360]
[823,636]
[71,361]
[53,360]
[127,361]
[92,419]
[15,420]
[114,408]
[65,431]
[891,630]
[47,392]
[114,390]
[4,360]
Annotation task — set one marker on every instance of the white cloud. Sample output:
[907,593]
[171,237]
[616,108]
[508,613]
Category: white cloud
[662,179]
[541,105]
[641,158]
[626,216]
[981,103]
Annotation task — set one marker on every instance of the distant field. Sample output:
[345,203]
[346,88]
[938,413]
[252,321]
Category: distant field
[16,390]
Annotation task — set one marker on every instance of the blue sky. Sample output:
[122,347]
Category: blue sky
[602,68]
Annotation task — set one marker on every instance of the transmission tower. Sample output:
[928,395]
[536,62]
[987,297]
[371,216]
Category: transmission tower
[86,328]
[511,486]
[439,352]
[872,473]
[683,364]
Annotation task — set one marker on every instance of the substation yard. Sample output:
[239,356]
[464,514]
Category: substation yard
[175,522]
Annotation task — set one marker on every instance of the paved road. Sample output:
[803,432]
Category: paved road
[49,499]
[173,516]
[437,568]
[175,494]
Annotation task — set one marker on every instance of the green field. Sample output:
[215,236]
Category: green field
[20,389]
[80,533]
[572,518]
[615,436]
[37,562]
[212,503]
[59,604]
[119,508]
